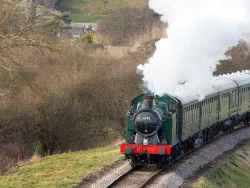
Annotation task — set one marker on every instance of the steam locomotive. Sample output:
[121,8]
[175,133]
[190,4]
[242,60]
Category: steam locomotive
[161,128]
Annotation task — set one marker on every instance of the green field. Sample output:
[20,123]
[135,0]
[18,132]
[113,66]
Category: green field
[97,6]
[64,170]
[233,171]
[83,18]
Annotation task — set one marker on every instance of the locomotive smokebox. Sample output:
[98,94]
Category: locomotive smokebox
[148,102]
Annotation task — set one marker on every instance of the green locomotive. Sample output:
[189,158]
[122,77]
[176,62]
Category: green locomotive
[160,128]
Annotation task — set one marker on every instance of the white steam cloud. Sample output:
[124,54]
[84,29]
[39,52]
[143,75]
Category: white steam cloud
[199,33]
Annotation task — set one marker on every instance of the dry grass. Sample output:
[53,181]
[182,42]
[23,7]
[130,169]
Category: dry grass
[65,170]
[233,171]
[117,52]
[152,33]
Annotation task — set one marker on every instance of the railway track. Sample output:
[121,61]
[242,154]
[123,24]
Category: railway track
[136,178]
[143,177]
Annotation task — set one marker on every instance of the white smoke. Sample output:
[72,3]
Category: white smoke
[199,33]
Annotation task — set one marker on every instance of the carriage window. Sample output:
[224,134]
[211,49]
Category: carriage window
[174,106]
[186,116]
[240,99]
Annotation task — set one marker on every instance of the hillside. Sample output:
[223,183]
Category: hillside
[232,171]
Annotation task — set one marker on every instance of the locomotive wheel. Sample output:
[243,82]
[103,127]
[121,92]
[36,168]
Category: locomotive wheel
[191,143]
[216,129]
[210,133]
[246,122]
[185,147]
[134,164]
[137,163]
[205,136]
[232,128]
[163,162]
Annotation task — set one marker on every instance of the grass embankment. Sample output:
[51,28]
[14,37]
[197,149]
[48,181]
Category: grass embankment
[233,171]
[63,170]
[97,6]
[89,11]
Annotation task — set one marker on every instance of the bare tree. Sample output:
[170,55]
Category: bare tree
[238,59]
[125,24]
[20,34]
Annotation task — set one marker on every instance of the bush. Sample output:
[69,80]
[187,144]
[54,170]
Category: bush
[88,37]
[127,24]
[238,59]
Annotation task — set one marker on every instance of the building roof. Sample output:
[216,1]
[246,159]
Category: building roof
[76,31]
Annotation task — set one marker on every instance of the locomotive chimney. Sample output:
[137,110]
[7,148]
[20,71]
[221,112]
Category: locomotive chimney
[148,102]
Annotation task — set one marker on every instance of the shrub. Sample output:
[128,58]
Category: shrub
[127,24]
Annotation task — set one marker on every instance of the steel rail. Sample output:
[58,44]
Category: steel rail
[120,178]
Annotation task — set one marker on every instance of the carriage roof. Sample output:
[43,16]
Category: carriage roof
[217,84]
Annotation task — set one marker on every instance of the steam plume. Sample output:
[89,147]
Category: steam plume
[199,33]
